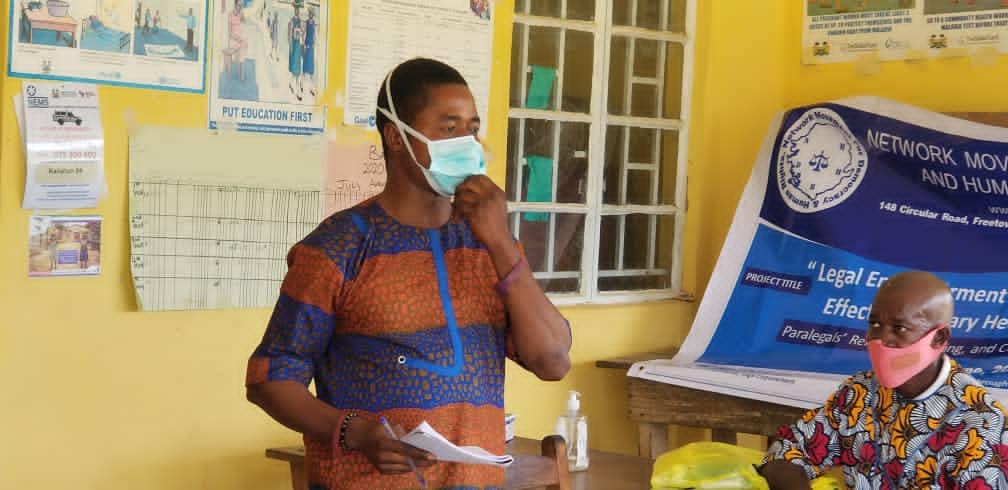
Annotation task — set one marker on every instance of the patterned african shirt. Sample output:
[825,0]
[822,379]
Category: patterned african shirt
[362,313]
[951,436]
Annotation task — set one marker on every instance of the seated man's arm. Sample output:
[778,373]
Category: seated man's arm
[982,461]
[802,450]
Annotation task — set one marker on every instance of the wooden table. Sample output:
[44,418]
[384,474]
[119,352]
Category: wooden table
[606,471]
[40,19]
[654,406]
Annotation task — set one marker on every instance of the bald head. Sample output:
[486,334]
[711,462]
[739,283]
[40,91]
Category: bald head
[919,290]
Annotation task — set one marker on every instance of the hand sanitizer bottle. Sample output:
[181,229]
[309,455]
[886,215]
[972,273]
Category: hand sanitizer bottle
[574,428]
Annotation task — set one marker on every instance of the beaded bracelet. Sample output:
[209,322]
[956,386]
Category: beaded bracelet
[504,285]
[343,428]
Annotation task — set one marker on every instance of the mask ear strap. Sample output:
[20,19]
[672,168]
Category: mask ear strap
[402,127]
[394,117]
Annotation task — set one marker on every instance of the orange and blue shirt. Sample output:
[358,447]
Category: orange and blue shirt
[396,321]
[952,436]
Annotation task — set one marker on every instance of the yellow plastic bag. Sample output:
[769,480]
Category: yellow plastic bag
[708,465]
[712,465]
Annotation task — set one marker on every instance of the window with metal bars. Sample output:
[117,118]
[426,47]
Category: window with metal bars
[597,132]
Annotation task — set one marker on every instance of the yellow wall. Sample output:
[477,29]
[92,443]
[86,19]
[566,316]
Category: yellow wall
[94,395]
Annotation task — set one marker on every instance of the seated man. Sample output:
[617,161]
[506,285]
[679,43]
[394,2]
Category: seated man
[917,420]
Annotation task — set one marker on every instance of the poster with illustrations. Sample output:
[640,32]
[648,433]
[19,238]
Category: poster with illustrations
[268,65]
[138,43]
[849,30]
[64,245]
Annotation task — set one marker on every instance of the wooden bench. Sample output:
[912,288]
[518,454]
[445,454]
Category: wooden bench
[606,471]
[654,406]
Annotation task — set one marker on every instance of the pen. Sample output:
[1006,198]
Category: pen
[420,478]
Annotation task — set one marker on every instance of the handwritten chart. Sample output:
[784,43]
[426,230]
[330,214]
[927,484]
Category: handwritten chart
[211,220]
[355,168]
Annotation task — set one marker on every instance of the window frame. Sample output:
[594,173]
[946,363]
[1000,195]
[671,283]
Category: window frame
[599,120]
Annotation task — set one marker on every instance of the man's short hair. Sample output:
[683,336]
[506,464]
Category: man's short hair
[408,85]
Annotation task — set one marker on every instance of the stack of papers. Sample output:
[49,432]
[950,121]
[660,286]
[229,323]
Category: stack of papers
[425,437]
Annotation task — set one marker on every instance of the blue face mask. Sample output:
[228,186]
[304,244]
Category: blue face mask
[452,160]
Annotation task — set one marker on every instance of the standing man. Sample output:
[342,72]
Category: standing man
[405,306]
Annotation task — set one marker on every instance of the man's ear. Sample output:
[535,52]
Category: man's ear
[941,336]
[392,137]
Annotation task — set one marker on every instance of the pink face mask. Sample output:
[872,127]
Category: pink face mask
[894,366]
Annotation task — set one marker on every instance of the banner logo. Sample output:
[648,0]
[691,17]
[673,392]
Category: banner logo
[820,163]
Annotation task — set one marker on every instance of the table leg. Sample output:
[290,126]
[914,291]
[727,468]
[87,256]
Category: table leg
[653,439]
[299,477]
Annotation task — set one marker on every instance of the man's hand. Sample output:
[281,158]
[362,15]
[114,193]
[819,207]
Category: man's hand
[483,204]
[388,455]
[781,475]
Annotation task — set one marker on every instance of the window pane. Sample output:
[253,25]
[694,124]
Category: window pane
[553,243]
[609,233]
[646,58]
[649,14]
[527,138]
[642,145]
[538,138]
[573,163]
[544,51]
[644,100]
[577,75]
[676,16]
[612,172]
[517,43]
[648,151]
[521,6]
[637,236]
[621,13]
[670,167]
[673,80]
[545,8]
[514,129]
[646,252]
[617,75]
[639,186]
[581,9]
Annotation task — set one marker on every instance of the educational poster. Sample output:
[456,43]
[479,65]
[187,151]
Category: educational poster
[138,43]
[384,33]
[354,168]
[211,221]
[64,245]
[64,146]
[843,195]
[268,67]
[849,30]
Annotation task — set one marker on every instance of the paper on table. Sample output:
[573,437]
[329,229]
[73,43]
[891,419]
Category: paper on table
[425,437]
